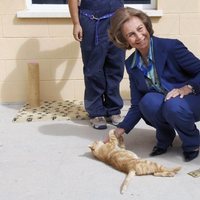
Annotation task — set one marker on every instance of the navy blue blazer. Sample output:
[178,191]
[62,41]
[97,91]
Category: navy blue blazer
[175,65]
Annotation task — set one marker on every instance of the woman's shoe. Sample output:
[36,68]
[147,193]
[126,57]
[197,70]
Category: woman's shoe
[157,151]
[190,155]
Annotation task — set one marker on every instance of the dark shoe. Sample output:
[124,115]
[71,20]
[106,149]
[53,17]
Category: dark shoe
[157,151]
[190,155]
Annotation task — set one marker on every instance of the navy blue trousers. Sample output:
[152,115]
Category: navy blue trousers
[103,62]
[175,115]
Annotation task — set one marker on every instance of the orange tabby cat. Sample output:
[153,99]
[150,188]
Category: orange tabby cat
[114,154]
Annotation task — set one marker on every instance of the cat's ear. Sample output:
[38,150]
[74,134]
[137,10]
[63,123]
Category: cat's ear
[91,147]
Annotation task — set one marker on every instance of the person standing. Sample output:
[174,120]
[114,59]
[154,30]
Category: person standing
[103,62]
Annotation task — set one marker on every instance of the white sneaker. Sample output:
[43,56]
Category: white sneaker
[116,119]
[98,123]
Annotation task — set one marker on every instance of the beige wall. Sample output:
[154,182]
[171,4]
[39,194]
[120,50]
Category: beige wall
[50,42]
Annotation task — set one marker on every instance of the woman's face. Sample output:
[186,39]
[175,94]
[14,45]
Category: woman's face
[136,34]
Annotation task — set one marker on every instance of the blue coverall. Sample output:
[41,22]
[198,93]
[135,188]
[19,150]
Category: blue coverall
[103,62]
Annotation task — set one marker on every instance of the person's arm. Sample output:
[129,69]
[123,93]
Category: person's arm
[77,29]
[190,64]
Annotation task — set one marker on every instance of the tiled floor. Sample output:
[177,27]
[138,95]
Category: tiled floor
[51,161]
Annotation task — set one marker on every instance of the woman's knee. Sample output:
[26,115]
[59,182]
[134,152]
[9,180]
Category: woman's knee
[150,103]
[176,108]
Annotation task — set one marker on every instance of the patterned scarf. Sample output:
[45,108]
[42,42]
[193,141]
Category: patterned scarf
[149,69]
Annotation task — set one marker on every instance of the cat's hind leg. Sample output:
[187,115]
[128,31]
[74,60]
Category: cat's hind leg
[126,181]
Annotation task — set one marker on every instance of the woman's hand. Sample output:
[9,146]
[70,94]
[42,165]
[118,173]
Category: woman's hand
[185,90]
[118,132]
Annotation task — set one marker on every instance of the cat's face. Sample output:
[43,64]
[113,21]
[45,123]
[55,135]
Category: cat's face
[99,149]
[95,146]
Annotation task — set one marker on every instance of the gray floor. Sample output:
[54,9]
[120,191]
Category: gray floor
[51,161]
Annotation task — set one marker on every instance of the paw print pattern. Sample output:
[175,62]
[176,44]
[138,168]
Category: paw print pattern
[52,110]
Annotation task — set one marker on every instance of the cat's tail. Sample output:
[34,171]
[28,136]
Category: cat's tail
[126,181]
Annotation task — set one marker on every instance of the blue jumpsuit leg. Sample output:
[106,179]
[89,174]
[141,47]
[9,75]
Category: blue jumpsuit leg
[102,76]
[95,82]
[103,63]
[151,108]
[114,70]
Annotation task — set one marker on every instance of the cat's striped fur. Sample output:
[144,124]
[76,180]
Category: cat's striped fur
[115,154]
